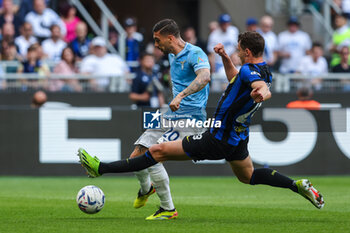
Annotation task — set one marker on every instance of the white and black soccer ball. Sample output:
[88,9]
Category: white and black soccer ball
[90,199]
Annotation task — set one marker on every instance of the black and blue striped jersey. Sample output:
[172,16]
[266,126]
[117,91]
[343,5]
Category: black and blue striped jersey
[236,107]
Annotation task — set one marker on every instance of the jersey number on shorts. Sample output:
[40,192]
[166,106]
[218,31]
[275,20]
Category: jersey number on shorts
[171,135]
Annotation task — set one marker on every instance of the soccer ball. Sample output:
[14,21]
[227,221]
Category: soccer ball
[90,199]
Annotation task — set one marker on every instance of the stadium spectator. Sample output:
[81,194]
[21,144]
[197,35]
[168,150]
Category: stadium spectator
[102,63]
[81,44]
[314,64]
[8,32]
[42,18]
[212,26]
[343,67]
[9,52]
[304,101]
[251,24]
[67,64]
[131,25]
[41,55]
[293,45]
[53,46]
[8,16]
[133,43]
[67,67]
[146,90]
[15,5]
[189,35]
[271,45]
[225,34]
[68,16]
[25,40]
[113,38]
[341,36]
[39,98]
[33,64]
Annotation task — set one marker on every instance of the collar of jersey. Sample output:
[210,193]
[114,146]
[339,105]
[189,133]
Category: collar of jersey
[260,63]
[182,51]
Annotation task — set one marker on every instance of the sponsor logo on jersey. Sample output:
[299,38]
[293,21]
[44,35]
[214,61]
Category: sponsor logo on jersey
[255,73]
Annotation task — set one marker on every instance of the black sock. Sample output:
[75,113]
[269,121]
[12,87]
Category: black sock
[273,178]
[128,165]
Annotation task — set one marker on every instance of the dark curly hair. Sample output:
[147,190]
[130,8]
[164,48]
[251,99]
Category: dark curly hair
[167,27]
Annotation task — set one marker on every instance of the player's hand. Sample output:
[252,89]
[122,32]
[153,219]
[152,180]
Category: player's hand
[257,95]
[175,104]
[219,49]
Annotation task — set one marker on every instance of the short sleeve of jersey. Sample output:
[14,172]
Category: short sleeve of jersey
[249,75]
[136,85]
[199,60]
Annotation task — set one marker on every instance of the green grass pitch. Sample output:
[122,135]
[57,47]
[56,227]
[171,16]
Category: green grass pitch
[205,204]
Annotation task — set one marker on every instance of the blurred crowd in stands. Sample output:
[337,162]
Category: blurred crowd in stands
[35,39]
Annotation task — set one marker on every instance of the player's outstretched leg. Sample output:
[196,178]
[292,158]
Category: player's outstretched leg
[303,187]
[246,173]
[89,163]
[307,190]
[95,168]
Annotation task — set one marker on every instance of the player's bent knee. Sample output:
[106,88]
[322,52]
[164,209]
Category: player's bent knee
[157,152]
[139,150]
[244,179]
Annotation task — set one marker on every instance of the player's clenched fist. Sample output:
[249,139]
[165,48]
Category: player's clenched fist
[219,49]
[175,104]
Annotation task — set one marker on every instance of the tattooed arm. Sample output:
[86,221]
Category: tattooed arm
[202,79]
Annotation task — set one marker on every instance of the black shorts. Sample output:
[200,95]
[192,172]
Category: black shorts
[206,146]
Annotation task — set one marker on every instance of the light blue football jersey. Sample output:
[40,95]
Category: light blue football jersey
[182,71]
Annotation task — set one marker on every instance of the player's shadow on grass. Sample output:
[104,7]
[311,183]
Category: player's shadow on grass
[91,218]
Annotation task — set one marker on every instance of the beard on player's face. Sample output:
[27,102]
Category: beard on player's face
[165,48]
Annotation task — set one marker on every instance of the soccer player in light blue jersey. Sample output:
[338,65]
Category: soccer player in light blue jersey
[190,75]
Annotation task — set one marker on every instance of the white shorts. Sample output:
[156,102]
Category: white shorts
[154,136]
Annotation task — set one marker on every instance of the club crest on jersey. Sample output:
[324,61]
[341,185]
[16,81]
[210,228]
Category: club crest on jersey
[182,64]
